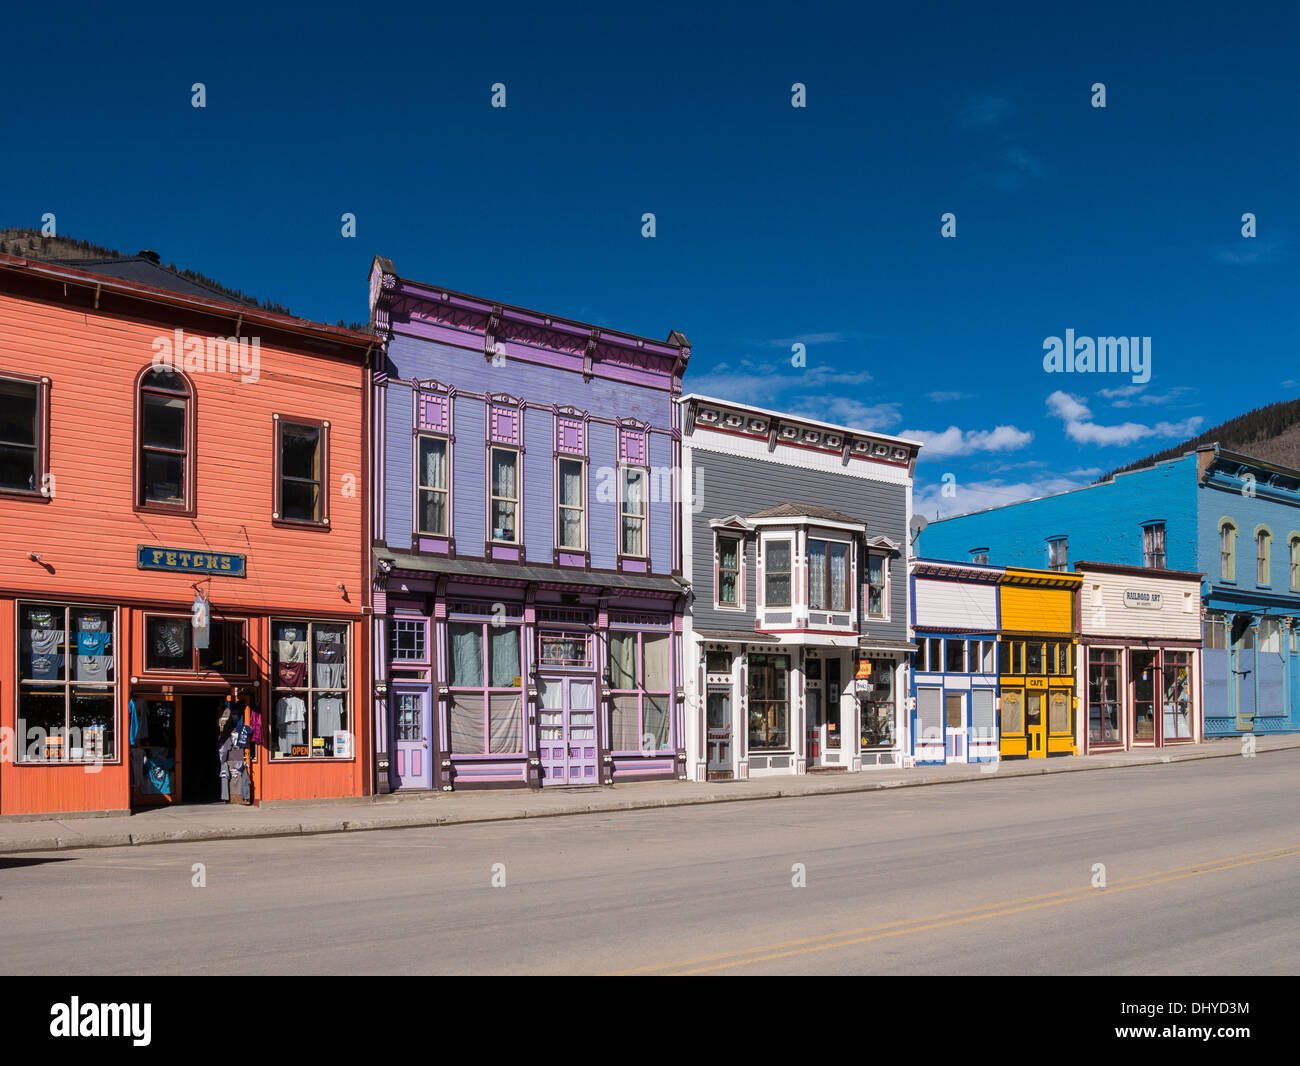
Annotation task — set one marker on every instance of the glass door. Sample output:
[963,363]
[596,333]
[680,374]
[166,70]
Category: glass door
[412,757]
[718,732]
[1036,725]
[1143,672]
[155,774]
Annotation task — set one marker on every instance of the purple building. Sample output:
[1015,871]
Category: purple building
[528,593]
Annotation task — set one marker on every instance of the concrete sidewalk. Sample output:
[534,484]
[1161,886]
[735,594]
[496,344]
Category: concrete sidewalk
[223,822]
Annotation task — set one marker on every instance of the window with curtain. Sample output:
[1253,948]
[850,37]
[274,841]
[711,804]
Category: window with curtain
[776,573]
[505,495]
[817,593]
[300,494]
[640,673]
[485,677]
[1262,542]
[432,485]
[877,576]
[633,508]
[828,575]
[728,572]
[571,504]
[1178,695]
[1227,551]
[165,414]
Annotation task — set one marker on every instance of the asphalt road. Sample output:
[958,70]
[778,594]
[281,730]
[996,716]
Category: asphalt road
[1202,876]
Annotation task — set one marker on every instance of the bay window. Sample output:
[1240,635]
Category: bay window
[67,684]
[486,682]
[640,683]
[776,573]
[828,575]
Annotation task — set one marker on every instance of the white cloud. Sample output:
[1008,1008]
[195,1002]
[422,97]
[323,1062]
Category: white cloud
[848,412]
[928,498]
[944,397]
[955,441]
[1080,428]
[1139,396]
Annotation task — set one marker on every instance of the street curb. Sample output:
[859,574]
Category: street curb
[428,820]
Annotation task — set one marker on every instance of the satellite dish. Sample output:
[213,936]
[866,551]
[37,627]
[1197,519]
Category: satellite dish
[918,523]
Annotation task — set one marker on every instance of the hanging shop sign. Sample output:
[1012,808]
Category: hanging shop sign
[1142,598]
[184,561]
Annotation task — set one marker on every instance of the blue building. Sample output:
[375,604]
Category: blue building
[1230,517]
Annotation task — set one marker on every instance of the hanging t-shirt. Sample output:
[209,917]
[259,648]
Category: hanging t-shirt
[331,653]
[94,668]
[169,639]
[291,644]
[290,674]
[329,716]
[290,722]
[45,639]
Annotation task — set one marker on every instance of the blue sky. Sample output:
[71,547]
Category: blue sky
[774,225]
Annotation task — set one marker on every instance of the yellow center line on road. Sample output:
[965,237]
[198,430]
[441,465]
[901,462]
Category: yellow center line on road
[846,938]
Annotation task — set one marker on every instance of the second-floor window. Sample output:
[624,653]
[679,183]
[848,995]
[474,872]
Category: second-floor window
[505,495]
[633,510]
[571,504]
[300,481]
[1263,542]
[828,575]
[877,587]
[432,485]
[979,556]
[776,574]
[1227,551]
[1295,564]
[1057,553]
[21,425]
[1153,546]
[728,572]
[165,433]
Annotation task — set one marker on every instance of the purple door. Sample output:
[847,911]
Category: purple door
[566,731]
[412,752]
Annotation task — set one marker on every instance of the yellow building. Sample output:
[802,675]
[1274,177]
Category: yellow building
[1038,639]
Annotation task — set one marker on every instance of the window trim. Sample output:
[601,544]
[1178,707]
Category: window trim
[1062,565]
[789,540]
[115,686]
[560,508]
[517,499]
[625,468]
[487,690]
[1264,539]
[739,540]
[189,508]
[1228,560]
[349,688]
[1293,560]
[849,581]
[421,488]
[193,670]
[43,385]
[639,690]
[1149,530]
[278,422]
[885,605]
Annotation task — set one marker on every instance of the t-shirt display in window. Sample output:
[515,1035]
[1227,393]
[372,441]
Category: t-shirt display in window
[291,644]
[331,653]
[329,715]
[290,675]
[290,722]
[44,641]
[170,639]
[96,669]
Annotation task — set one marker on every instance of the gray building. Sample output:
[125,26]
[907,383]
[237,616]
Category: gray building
[796,542]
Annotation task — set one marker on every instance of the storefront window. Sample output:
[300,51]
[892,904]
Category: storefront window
[569,651]
[1103,697]
[486,682]
[407,639]
[640,683]
[309,665]
[769,702]
[1178,695]
[878,707]
[1034,658]
[67,684]
[717,662]
[1143,671]
[172,643]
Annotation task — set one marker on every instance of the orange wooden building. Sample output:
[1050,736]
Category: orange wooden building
[183,545]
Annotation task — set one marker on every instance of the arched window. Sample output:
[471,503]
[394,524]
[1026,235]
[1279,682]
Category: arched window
[1263,543]
[1294,543]
[165,441]
[1227,550]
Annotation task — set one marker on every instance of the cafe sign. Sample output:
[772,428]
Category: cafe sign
[188,561]
[1141,598]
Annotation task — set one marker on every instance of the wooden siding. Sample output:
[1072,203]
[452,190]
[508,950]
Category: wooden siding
[956,604]
[1037,610]
[1112,618]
